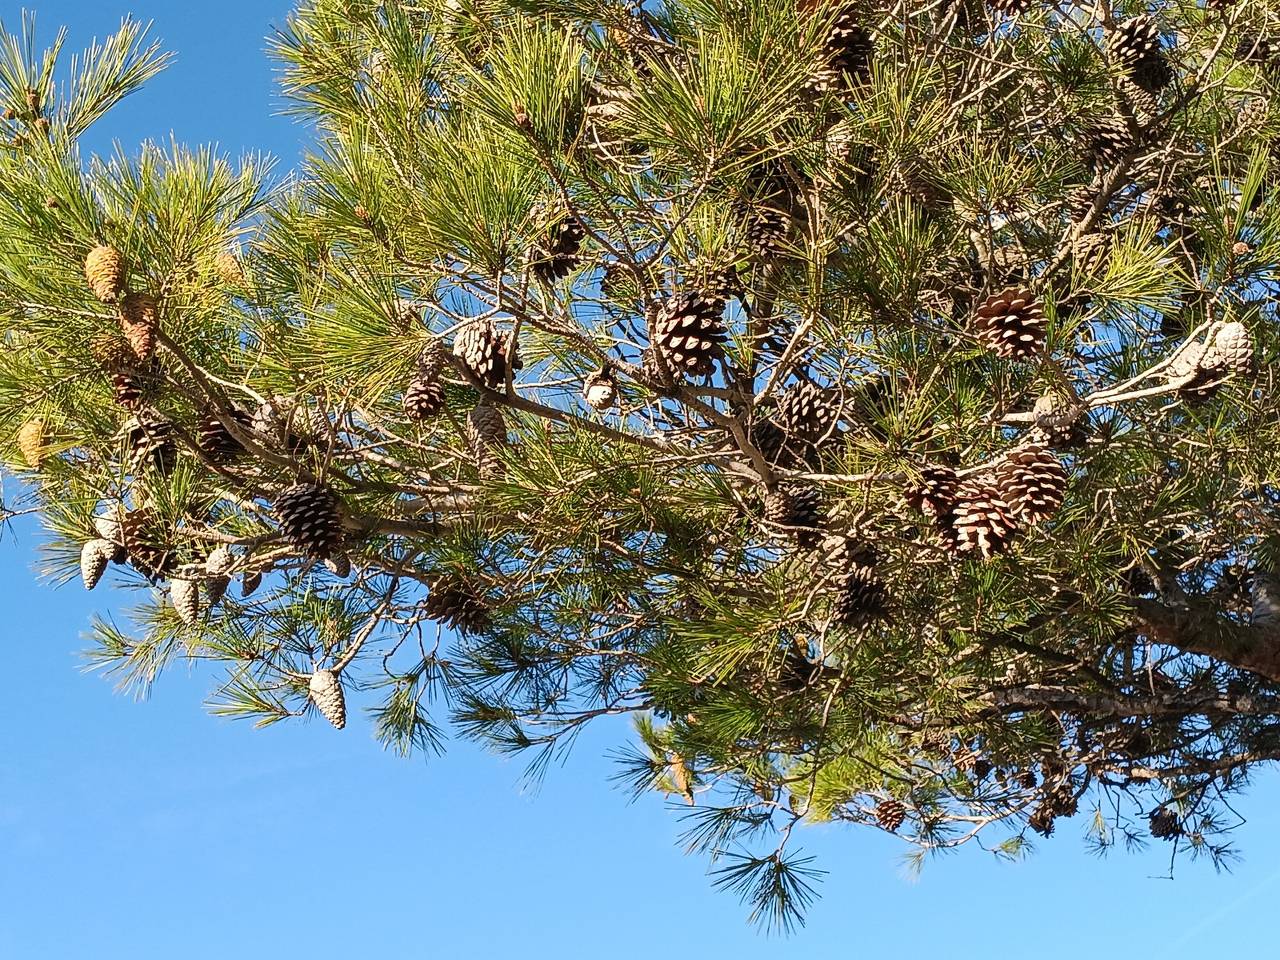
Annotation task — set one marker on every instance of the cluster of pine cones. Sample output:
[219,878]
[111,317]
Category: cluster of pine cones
[980,514]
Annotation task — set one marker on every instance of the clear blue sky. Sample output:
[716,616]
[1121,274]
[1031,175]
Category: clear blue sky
[151,830]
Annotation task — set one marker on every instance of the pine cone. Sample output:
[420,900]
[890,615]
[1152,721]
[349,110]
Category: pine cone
[771,441]
[1041,819]
[106,272]
[1106,142]
[1165,824]
[808,413]
[1058,424]
[1206,368]
[861,599]
[423,397]
[150,440]
[847,53]
[339,565]
[982,522]
[229,269]
[217,567]
[213,438]
[1010,7]
[128,389]
[1090,254]
[766,229]
[618,283]
[1032,481]
[325,691]
[559,252]
[720,284]
[185,595]
[846,553]
[799,509]
[250,581]
[144,541]
[107,525]
[132,383]
[936,492]
[1235,347]
[1255,48]
[607,103]
[890,814]
[94,557]
[310,519]
[31,443]
[486,353]
[456,603]
[688,333]
[273,422]
[600,390]
[139,320]
[486,434]
[1011,323]
[1135,48]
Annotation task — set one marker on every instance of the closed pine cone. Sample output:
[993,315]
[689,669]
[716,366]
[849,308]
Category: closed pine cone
[218,567]
[185,595]
[139,320]
[455,602]
[688,332]
[106,271]
[107,524]
[1090,253]
[1199,371]
[31,442]
[982,522]
[486,434]
[1059,423]
[1234,345]
[310,519]
[325,690]
[1011,323]
[228,268]
[861,598]
[94,557]
[111,352]
[1032,481]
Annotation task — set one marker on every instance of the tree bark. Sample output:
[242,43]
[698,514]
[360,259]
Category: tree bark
[1252,648]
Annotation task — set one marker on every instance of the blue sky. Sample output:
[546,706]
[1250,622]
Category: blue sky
[151,830]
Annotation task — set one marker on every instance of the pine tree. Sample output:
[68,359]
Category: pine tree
[584,326]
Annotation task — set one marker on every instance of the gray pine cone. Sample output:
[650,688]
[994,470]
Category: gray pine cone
[94,557]
[326,694]
[185,595]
